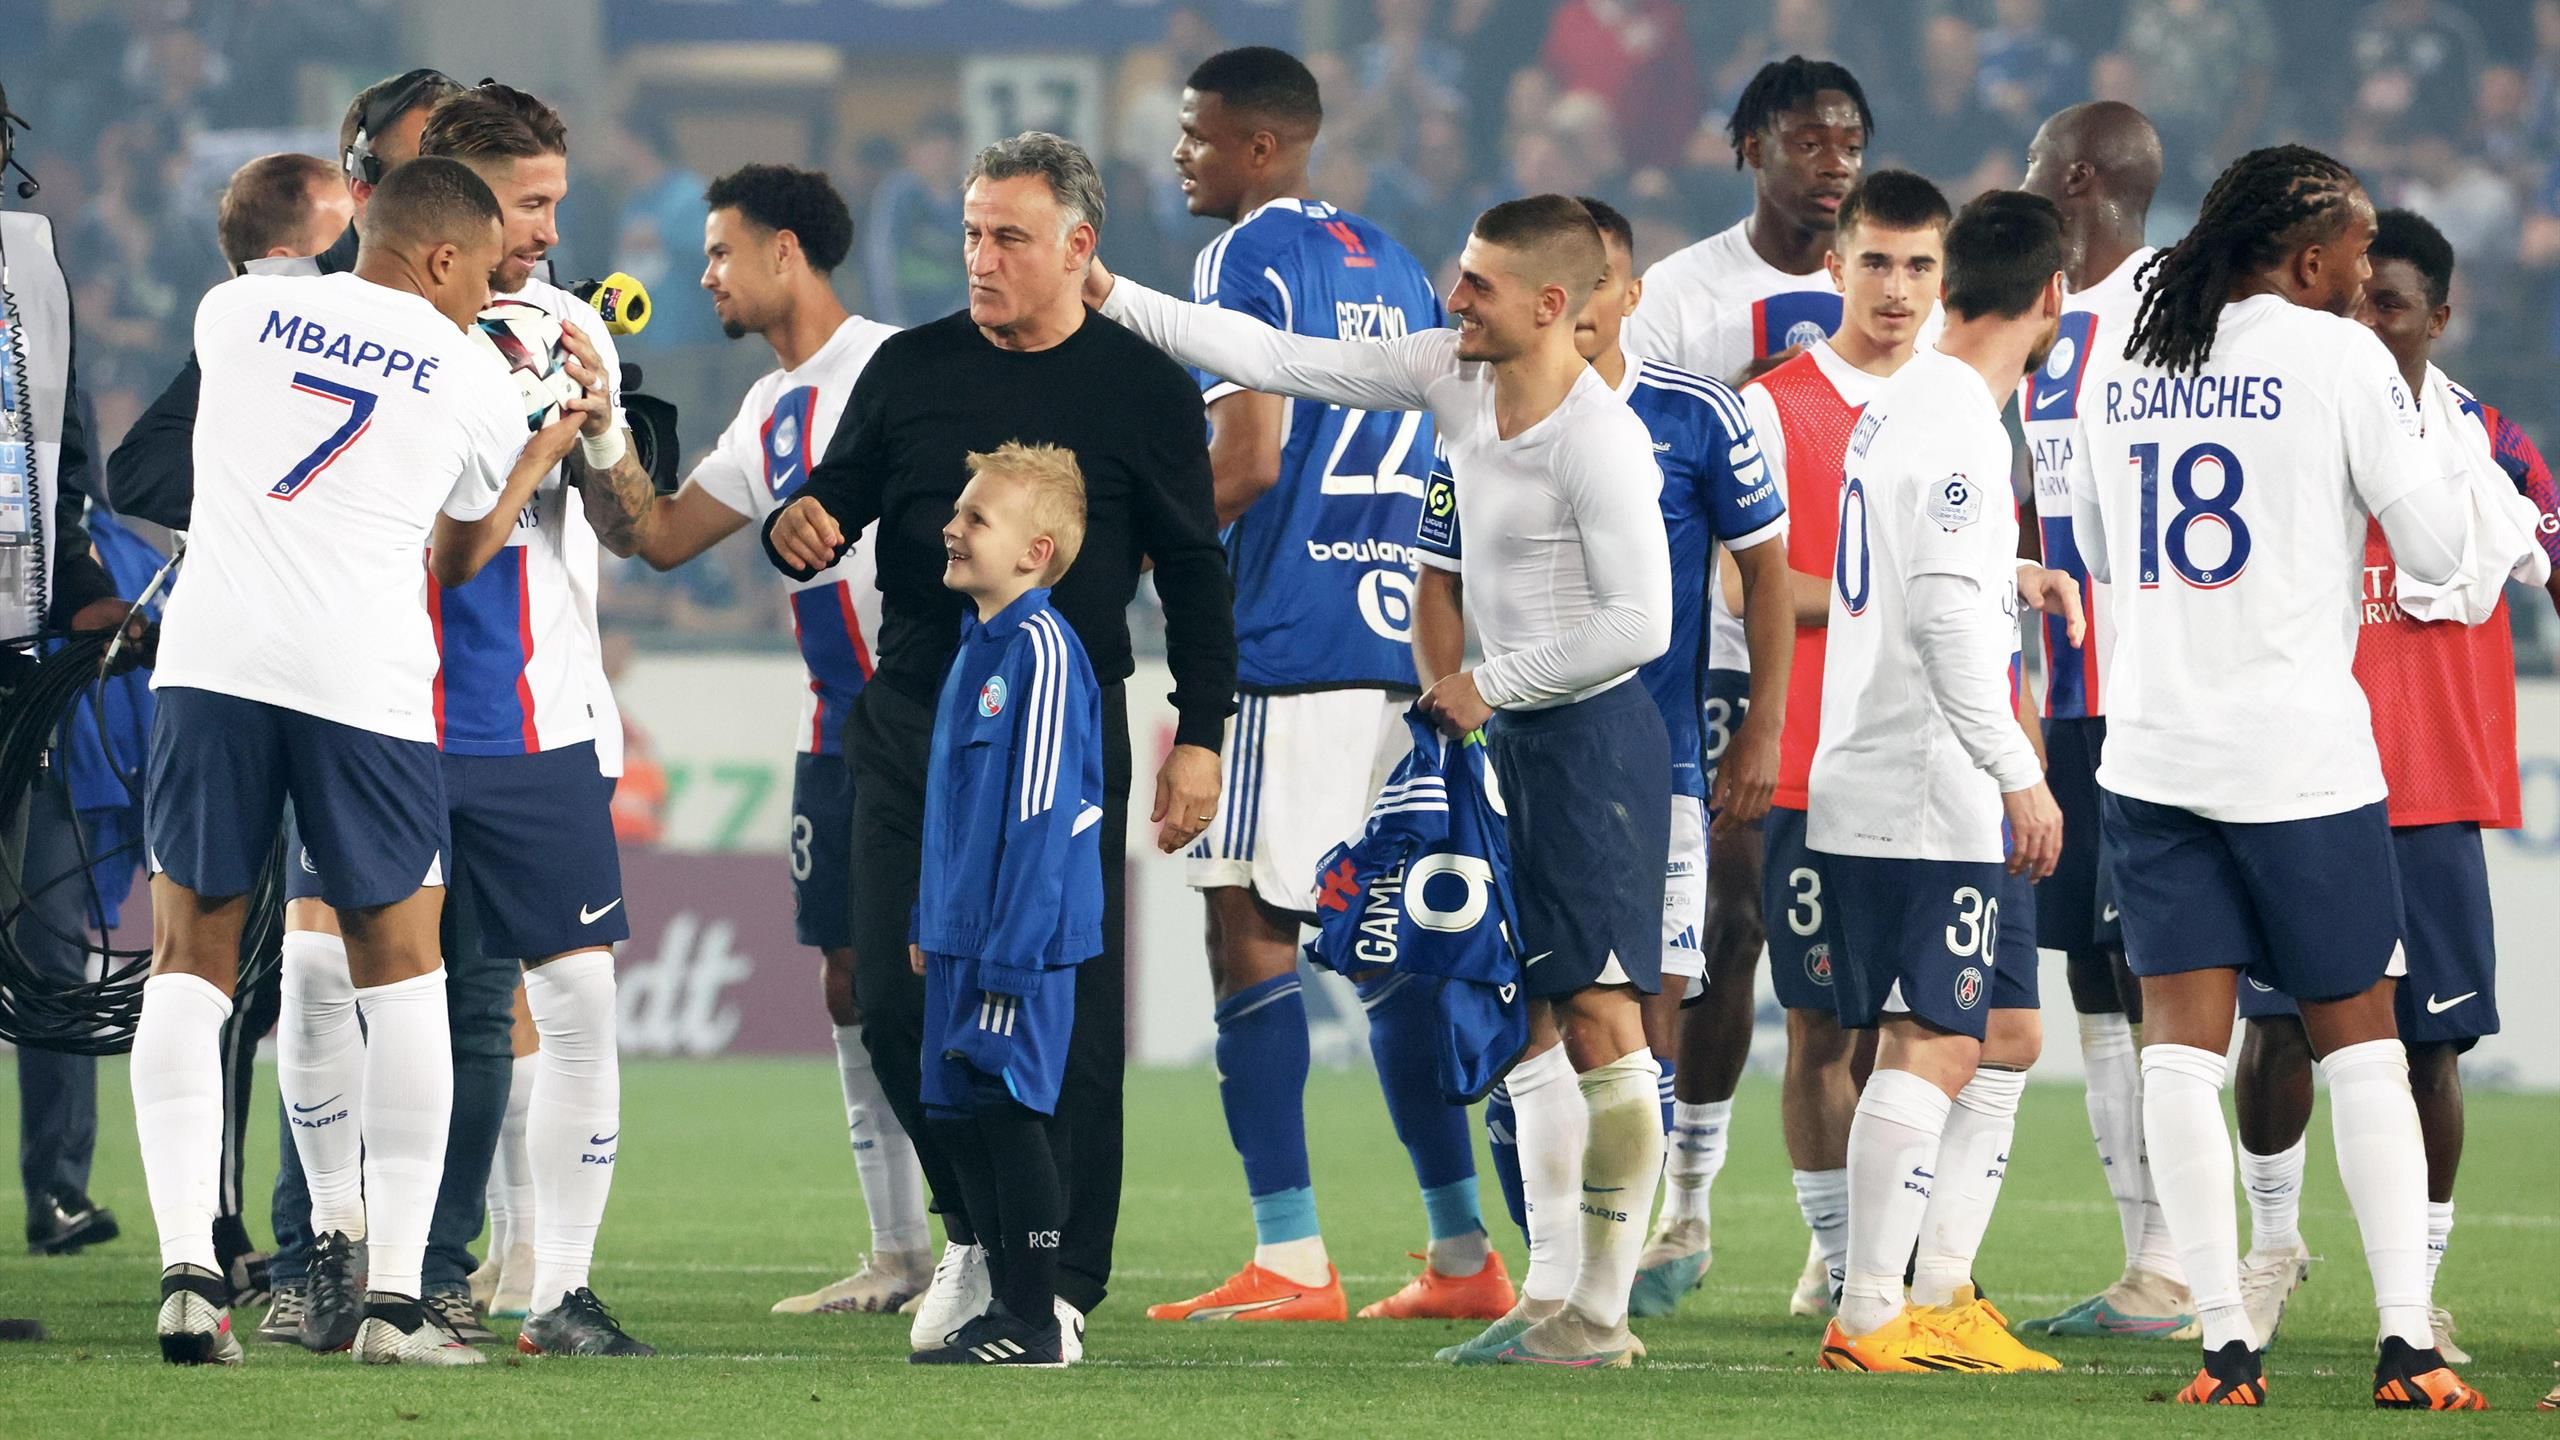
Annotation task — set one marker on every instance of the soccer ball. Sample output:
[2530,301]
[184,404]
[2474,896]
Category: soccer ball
[525,338]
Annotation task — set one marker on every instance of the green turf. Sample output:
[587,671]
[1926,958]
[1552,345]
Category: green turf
[736,1189]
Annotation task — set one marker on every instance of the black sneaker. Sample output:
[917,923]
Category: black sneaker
[2230,1377]
[579,1325]
[66,1224]
[195,1321]
[997,1338]
[283,1325]
[333,1301]
[454,1311]
[242,1263]
[2408,1378]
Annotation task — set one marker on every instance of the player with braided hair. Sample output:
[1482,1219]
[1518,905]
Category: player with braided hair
[2224,477]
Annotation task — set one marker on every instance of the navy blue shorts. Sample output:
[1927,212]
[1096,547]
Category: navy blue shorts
[1728,702]
[222,770]
[2450,995]
[1796,909]
[822,851]
[1924,938]
[1018,1041]
[1587,792]
[2307,907]
[533,838]
[2076,904]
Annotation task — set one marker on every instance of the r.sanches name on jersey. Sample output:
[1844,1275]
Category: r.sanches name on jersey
[2195,397]
[310,337]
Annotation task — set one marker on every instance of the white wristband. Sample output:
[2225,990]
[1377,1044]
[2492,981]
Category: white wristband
[606,452]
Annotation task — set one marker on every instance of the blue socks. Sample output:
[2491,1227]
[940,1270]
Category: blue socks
[1502,1134]
[1404,1038]
[1262,1084]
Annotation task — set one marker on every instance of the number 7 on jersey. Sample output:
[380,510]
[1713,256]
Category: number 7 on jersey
[359,405]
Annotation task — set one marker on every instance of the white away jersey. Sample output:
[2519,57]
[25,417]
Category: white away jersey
[1715,307]
[338,417]
[1926,492]
[2233,504]
[523,660]
[2095,323]
[761,461]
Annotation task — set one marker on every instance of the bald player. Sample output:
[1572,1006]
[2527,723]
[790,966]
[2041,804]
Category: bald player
[2098,163]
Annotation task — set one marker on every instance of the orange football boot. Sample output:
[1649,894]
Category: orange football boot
[2230,1377]
[1915,1342]
[1254,1293]
[2407,1378]
[1485,1295]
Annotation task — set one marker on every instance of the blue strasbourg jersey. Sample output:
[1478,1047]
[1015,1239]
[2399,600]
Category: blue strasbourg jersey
[1425,893]
[1715,488]
[1322,562]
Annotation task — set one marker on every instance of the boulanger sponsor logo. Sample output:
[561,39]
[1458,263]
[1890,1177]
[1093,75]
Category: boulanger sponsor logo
[1968,987]
[1386,603]
[1364,552]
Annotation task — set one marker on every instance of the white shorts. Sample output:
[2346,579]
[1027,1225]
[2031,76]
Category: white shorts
[1301,773]
[1684,890]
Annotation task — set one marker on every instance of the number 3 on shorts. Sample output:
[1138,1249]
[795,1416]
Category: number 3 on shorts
[1804,916]
[801,833]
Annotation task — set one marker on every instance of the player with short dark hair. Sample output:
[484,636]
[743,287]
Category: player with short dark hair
[1719,307]
[2443,698]
[298,662]
[1570,581]
[770,245]
[1319,505]
[2227,469]
[285,204]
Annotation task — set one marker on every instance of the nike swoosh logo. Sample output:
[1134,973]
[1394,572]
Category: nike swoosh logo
[2438,1007]
[604,1139]
[1661,447]
[323,1105]
[2111,913]
[1229,1312]
[1602,1189]
[2045,401]
[1534,959]
[589,917]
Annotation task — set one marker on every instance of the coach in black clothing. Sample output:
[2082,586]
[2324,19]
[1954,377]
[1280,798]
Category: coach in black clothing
[1024,362]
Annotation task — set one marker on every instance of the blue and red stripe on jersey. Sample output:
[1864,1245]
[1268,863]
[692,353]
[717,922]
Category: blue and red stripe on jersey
[1798,317]
[831,645]
[2070,671]
[484,643]
[2516,454]
[2053,388]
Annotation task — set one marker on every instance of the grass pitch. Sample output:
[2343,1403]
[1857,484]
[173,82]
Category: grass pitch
[739,1190]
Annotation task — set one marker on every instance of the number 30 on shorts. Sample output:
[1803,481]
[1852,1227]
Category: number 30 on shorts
[1977,928]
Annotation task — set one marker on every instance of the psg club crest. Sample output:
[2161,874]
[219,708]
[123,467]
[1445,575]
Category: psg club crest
[1817,965]
[2057,365]
[991,697]
[786,436]
[1805,332]
[1968,988]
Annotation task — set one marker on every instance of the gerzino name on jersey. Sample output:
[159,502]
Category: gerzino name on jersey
[1323,576]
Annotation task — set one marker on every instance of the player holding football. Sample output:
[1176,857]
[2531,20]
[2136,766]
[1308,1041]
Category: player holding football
[297,662]
[1801,128]
[1887,257]
[771,244]
[1319,505]
[1715,491]
[2227,473]
[1571,574]
[1921,781]
[2098,163]
[2444,708]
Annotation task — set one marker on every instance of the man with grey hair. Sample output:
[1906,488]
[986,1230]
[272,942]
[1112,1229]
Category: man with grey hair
[1025,361]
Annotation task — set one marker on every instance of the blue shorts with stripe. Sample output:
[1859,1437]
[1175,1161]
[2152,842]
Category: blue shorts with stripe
[2308,907]
[2450,995]
[822,851]
[1019,1042]
[1586,789]
[222,769]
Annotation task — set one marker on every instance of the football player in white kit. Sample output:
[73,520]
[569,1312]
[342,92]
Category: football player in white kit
[2223,479]
[1921,768]
[2098,164]
[1752,291]
[770,246]
[348,423]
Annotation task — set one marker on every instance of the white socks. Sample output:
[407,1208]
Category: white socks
[1696,1152]
[883,1157]
[2275,1197]
[511,1168]
[1973,1158]
[408,1089]
[2191,1167]
[1823,1197]
[2115,1119]
[320,1064]
[1621,1166]
[176,1072]
[1553,1124]
[574,1131]
[2374,1121]
[2439,1237]
[1893,1155]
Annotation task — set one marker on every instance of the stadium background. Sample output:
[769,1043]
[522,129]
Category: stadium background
[140,108]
